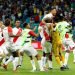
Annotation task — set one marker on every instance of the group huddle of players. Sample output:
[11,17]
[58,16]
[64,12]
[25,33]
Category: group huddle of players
[55,33]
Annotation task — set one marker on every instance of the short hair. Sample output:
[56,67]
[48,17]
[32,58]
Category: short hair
[7,22]
[52,8]
[17,20]
[48,20]
[25,24]
[58,17]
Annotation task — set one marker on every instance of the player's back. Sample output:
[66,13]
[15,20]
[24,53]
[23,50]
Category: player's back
[6,31]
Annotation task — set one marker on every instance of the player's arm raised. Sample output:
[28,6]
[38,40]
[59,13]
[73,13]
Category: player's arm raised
[10,32]
[32,33]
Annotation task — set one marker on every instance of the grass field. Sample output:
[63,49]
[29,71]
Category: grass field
[26,67]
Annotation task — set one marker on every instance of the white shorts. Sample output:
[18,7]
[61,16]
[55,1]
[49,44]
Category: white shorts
[29,50]
[16,47]
[46,46]
[68,43]
[69,46]
[10,47]
[3,50]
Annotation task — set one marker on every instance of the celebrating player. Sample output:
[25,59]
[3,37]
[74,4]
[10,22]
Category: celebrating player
[28,48]
[46,38]
[8,34]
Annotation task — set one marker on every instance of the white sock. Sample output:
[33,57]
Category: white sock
[50,64]
[74,55]
[40,65]
[20,60]
[33,64]
[4,60]
[66,58]
[15,63]
[11,58]
[44,59]
[74,58]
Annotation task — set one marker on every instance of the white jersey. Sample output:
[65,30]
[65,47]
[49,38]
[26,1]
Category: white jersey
[1,38]
[68,42]
[17,40]
[41,33]
[6,32]
[2,45]
[26,36]
[8,39]
[62,27]
[26,43]
[44,33]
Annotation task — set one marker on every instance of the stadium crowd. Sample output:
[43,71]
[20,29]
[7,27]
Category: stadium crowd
[34,10]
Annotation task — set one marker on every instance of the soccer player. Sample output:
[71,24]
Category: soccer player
[17,40]
[45,34]
[28,48]
[46,45]
[3,51]
[8,34]
[69,44]
[50,15]
[63,27]
[57,45]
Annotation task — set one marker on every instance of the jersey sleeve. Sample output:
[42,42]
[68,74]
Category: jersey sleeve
[10,30]
[32,33]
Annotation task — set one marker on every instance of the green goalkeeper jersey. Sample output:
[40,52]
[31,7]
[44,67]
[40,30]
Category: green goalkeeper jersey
[26,38]
[62,27]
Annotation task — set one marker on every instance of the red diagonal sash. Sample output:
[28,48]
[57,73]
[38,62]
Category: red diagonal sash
[19,32]
[2,41]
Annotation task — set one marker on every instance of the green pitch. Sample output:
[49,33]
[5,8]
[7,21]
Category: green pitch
[26,68]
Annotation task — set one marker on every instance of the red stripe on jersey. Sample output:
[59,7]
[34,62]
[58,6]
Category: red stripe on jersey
[19,32]
[42,24]
[32,33]
[9,29]
[47,37]
[2,41]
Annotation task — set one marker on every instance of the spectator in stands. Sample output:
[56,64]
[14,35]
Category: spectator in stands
[37,18]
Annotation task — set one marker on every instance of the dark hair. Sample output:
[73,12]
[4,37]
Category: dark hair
[48,20]
[17,20]
[25,24]
[7,22]
[52,8]
[59,17]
